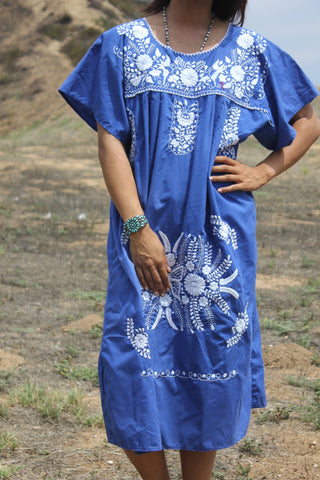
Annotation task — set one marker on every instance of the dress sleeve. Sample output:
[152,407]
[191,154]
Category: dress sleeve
[95,88]
[287,90]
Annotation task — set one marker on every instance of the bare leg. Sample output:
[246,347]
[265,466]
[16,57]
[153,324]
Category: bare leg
[151,466]
[197,465]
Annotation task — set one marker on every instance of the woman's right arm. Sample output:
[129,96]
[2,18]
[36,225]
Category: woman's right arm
[146,250]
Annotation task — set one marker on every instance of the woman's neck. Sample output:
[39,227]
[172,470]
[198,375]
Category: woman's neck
[188,23]
[190,12]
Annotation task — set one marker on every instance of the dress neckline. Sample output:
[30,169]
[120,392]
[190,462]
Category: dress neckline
[203,52]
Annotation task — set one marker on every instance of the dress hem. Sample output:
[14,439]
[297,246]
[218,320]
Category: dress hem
[165,446]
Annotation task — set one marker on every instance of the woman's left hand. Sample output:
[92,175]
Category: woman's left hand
[242,176]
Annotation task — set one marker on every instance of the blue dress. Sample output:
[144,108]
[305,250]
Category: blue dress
[183,371]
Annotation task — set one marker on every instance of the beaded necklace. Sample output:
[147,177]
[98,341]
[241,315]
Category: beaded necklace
[164,13]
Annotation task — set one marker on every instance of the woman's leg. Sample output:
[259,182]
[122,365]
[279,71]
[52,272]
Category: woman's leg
[197,465]
[151,466]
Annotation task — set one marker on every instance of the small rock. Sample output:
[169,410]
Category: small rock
[110,462]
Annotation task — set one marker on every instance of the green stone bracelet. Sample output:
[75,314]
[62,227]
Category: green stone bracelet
[134,224]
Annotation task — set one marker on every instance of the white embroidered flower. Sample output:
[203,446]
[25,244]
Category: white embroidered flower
[139,32]
[214,286]
[239,328]
[245,40]
[206,270]
[232,138]
[165,301]
[144,62]
[171,259]
[185,118]
[184,300]
[194,284]
[237,73]
[240,325]
[135,80]
[189,77]
[173,79]
[203,302]
[140,341]
[190,266]
[224,231]
[138,338]
[145,296]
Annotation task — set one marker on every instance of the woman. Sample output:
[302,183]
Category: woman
[172,95]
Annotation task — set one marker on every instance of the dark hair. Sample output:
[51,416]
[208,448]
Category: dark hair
[228,10]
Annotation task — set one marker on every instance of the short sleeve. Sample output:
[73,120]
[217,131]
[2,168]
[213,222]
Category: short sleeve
[95,87]
[287,90]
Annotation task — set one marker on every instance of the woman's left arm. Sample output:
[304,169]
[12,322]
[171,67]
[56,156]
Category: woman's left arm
[246,178]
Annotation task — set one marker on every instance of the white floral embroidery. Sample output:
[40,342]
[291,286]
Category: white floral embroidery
[138,338]
[189,77]
[144,62]
[237,73]
[230,139]
[139,32]
[184,124]
[133,135]
[148,66]
[223,231]
[198,282]
[203,377]
[239,328]
[245,40]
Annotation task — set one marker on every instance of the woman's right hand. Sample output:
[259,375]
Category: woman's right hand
[150,261]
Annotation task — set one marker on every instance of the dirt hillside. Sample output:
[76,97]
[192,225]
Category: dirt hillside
[33,37]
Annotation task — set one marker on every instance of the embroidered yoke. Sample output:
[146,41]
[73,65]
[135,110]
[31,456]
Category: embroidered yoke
[184,370]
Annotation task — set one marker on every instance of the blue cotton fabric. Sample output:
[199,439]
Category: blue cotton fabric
[183,371]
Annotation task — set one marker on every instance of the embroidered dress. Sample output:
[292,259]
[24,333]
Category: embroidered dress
[183,371]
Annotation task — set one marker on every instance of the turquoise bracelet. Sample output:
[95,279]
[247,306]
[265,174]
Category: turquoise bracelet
[134,224]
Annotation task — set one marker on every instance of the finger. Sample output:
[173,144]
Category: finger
[163,272]
[141,278]
[224,178]
[233,188]
[227,160]
[160,285]
[150,280]
[224,168]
